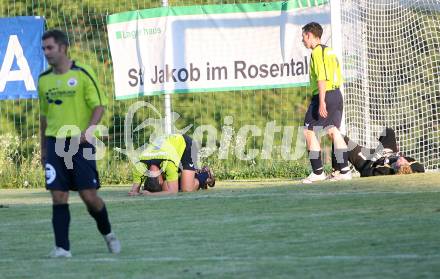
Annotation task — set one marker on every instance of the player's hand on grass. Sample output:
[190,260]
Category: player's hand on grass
[134,190]
[133,194]
[323,110]
[145,193]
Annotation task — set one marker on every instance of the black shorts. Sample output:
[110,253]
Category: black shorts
[75,174]
[334,104]
[189,156]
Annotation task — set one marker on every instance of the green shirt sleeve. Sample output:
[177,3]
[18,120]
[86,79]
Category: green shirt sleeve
[93,94]
[138,172]
[42,100]
[171,171]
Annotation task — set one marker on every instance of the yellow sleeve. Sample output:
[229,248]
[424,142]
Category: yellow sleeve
[138,172]
[318,63]
[171,171]
[42,101]
[93,93]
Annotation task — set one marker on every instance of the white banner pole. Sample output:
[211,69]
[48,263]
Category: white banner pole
[336,27]
[167,99]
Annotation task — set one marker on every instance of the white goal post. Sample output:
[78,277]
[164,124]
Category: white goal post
[391,57]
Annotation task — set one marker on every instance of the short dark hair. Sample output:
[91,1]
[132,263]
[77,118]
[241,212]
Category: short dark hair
[58,36]
[152,184]
[314,28]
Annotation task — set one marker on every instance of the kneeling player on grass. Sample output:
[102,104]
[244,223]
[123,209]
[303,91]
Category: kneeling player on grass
[384,159]
[158,168]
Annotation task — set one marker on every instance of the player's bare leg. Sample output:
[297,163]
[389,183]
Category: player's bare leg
[91,199]
[96,207]
[341,155]
[188,181]
[311,140]
[59,197]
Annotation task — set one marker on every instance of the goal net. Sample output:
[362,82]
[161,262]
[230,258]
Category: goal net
[391,53]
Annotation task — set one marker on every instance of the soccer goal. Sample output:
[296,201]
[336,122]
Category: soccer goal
[391,55]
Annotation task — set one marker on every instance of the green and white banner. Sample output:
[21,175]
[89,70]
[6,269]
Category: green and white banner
[212,47]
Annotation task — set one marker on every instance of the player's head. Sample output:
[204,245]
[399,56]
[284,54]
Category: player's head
[55,44]
[311,32]
[154,179]
[402,166]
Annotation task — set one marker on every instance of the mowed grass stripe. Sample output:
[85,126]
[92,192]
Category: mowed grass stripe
[221,259]
[366,228]
[419,183]
[45,201]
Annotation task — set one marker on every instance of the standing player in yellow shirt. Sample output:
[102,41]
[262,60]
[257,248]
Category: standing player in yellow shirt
[325,109]
[70,99]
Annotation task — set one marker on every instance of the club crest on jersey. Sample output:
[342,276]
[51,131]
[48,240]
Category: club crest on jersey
[72,82]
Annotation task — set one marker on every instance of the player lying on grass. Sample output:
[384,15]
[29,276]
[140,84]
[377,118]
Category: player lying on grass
[158,168]
[384,159]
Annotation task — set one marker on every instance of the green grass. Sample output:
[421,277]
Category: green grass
[382,227]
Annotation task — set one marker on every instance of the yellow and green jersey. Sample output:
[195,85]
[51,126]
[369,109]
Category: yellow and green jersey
[324,65]
[69,98]
[169,150]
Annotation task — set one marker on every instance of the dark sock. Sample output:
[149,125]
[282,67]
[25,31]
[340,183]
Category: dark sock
[60,223]
[335,166]
[202,177]
[342,160]
[102,221]
[316,162]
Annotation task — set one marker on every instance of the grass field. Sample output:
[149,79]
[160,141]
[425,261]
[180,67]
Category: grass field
[382,227]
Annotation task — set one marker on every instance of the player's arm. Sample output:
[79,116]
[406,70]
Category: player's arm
[137,174]
[97,114]
[96,117]
[319,68]
[322,105]
[417,167]
[169,188]
[135,189]
[94,98]
[43,123]
[43,126]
